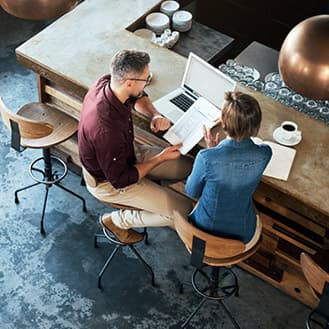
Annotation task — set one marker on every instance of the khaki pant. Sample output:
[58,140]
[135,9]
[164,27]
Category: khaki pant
[158,202]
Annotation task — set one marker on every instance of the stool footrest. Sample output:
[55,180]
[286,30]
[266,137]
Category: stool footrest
[216,285]
[49,176]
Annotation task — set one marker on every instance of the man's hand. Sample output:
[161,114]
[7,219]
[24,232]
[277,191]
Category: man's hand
[170,152]
[209,139]
[159,123]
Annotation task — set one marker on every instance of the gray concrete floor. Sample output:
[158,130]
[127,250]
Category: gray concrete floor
[51,282]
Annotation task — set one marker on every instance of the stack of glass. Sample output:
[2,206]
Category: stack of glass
[274,87]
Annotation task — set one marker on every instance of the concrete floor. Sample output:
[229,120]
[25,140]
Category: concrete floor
[51,282]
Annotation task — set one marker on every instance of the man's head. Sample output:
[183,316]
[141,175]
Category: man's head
[241,115]
[130,69]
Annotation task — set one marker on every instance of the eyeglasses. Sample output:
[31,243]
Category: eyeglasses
[147,81]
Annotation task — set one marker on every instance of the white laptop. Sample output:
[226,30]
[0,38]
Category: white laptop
[200,80]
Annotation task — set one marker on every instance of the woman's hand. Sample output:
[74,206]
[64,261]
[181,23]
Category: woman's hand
[209,139]
[159,123]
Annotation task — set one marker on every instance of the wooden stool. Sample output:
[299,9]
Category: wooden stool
[41,126]
[318,279]
[210,255]
[110,237]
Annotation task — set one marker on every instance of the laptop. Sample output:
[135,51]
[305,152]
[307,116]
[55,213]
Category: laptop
[200,80]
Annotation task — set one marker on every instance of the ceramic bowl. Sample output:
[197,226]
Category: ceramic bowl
[157,22]
[182,20]
[169,7]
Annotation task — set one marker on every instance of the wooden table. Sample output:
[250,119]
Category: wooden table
[75,50]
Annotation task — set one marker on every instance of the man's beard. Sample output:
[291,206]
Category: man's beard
[138,95]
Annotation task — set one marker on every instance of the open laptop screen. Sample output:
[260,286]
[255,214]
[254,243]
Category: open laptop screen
[206,81]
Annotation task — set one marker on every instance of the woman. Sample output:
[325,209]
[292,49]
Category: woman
[226,174]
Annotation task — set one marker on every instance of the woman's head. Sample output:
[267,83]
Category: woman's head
[241,115]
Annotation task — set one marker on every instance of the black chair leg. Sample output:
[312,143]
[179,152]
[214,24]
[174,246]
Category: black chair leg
[22,189]
[84,208]
[182,284]
[42,229]
[317,320]
[108,261]
[146,236]
[187,321]
[229,314]
[118,244]
[99,236]
[147,266]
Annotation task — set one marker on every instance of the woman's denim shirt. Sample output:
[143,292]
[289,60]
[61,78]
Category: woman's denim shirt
[224,179]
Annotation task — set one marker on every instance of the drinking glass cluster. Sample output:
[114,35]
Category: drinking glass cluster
[274,87]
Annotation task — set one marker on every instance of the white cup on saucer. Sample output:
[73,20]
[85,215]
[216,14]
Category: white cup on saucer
[289,131]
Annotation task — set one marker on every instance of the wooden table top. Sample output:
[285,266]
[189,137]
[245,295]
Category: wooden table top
[79,45]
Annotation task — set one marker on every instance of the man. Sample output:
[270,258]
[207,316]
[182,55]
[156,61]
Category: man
[118,165]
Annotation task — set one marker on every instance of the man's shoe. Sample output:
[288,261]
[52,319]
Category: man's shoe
[126,236]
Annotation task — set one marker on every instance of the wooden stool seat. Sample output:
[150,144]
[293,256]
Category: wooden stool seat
[218,251]
[52,126]
[210,255]
[41,126]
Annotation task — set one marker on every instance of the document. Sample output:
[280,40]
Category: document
[281,162]
[188,129]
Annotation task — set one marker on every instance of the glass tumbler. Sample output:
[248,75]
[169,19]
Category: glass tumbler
[324,110]
[230,62]
[277,79]
[284,96]
[257,85]
[271,89]
[311,107]
[223,68]
[297,101]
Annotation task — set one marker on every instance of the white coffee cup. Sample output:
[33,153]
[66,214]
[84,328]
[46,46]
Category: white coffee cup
[289,130]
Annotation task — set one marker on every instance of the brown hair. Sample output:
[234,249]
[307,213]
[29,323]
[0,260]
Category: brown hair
[241,115]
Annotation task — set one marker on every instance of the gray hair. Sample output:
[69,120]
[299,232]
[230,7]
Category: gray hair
[126,63]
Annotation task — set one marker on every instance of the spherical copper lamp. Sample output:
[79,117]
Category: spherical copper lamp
[37,9]
[304,58]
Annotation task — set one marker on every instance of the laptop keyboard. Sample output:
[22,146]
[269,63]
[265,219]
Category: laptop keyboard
[182,101]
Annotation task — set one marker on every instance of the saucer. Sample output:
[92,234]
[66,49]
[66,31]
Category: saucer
[291,142]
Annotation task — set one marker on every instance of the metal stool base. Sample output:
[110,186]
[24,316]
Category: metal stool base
[215,289]
[49,178]
[110,238]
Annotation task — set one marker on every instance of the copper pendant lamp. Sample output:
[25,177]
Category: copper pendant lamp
[304,58]
[37,9]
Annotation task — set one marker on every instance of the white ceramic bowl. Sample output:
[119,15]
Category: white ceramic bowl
[182,20]
[169,7]
[145,33]
[157,22]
